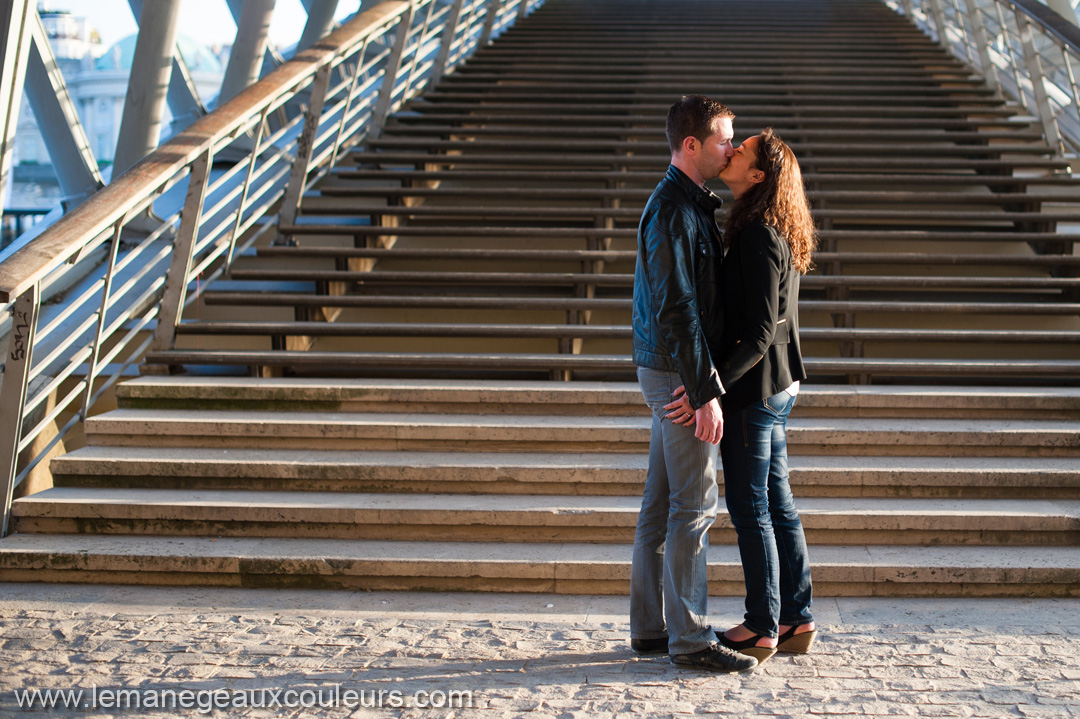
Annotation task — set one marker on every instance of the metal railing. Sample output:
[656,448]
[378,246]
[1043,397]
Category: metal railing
[125,262]
[1025,50]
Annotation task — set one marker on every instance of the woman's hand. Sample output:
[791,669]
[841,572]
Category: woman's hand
[680,411]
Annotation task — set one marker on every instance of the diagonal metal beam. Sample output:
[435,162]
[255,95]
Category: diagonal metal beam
[320,21]
[144,106]
[183,97]
[14,52]
[249,47]
[271,59]
[58,121]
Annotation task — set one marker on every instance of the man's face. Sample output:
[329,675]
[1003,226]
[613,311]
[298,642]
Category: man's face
[716,150]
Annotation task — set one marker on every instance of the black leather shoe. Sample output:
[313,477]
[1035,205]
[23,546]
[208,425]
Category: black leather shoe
[657,645]
[716,658]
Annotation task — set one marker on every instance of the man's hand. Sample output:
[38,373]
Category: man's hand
[710,422]
[708,417]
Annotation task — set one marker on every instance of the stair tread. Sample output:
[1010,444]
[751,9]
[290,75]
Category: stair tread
[396,419]
[317,507]
[493,559]
[577,391]
[254,462]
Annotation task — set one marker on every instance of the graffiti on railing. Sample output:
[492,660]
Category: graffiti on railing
[20,335]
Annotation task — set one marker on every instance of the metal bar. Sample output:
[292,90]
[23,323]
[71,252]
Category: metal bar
[304,146]
[1012,56]
[348,102]
[151,70]
[69,149]
[103,312]
[249,46]
[937,11]
[390,71]
[14,50]
[414,65]
[489,21]
[963,31]
[1035,72]
[982,44]
[450,31]
[320,21]
[13,391]
[59,408]
[908,5]
[1072,79]
[244,191]
[176,281]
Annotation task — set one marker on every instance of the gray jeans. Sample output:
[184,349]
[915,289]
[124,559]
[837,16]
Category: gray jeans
[669,592]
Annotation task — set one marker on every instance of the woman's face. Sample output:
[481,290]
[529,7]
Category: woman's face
[741,172]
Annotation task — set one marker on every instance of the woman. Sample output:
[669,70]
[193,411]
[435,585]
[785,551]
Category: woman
[768,237]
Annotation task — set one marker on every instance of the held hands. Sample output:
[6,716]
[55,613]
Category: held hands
[708,418]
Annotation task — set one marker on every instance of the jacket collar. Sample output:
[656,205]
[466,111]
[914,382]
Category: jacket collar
[704,197]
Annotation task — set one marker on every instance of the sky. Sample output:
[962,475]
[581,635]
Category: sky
[208,21]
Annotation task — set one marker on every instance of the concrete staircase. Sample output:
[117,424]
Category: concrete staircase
[369,404]
[514,486]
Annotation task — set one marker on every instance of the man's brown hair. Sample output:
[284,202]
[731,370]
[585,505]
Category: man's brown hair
[694,115]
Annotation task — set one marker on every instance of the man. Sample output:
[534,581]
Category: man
[676,319]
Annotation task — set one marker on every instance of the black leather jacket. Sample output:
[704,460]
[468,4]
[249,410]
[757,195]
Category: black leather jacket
[677,317]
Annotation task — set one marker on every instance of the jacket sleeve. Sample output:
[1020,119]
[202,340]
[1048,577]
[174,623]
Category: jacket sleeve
[669,255]
[760,257]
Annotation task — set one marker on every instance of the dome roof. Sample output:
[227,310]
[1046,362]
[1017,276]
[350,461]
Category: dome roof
[196,55]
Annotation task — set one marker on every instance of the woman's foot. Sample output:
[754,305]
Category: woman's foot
[749,643]
[796,638]
[741,634]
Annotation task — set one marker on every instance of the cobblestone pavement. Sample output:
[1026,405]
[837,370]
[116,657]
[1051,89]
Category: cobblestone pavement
[519,655]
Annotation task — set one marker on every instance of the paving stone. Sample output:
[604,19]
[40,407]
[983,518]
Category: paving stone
[538,666]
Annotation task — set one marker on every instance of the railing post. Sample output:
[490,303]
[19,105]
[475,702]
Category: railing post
[244,191]
[393,64]
[1035,72]
[176,281]
[982,42]
[450,31]
[909,9]
[523,9]
[348,105]
[305,145]
[937,10]
[489,22]
[14,390]
[103,313]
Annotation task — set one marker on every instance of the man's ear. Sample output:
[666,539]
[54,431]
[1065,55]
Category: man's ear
[690,144]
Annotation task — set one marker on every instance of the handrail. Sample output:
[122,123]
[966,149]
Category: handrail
[125,259]
[1025,50]
[1052,23]
[128,192]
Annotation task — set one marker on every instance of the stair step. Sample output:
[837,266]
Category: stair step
[564,568]
[535,518]
[656,162]
[591,398]
[331,430]
[606,365]
[626,280]
[539,473]
[647,179]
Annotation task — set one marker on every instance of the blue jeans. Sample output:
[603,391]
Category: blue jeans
[669,593]
[771,541]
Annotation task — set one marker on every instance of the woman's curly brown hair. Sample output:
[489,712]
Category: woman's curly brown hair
[779,200]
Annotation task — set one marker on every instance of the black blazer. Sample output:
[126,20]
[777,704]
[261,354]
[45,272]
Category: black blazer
[761,354]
